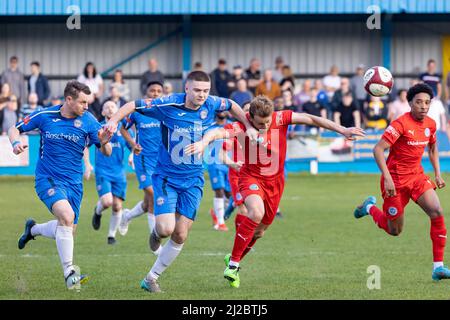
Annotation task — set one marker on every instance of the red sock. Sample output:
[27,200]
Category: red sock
[379,218]
[249,247]
[438,234]
[244,235]
[238,220]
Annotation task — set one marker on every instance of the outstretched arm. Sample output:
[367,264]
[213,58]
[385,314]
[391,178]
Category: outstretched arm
[210,136]
[310,120]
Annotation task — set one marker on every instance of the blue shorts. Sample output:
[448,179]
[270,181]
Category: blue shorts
[50,191]
[181,196]
[118,186]
[144,167]
[219,179]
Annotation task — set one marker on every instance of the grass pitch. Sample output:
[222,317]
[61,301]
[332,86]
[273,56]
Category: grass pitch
[317,251]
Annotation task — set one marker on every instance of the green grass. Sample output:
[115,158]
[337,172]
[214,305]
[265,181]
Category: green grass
[318,251]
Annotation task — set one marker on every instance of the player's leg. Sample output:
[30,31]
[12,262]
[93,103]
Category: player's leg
[219,209]
[104,202]
[114,222]
[149,207]
[214,180]
[429,202]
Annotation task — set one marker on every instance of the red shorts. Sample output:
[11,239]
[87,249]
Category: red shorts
[233,178]
[394,207]
[270,190]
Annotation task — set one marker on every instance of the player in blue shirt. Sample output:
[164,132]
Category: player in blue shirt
[178,180]
[110,178]
[218,176]
[148,140]
[66,130]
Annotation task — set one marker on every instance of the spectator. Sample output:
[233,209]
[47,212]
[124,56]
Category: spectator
[437,113]
[357,87]
[31,106]
[219,79]
[151,75]
[94,81]
[15,78]
[238,74]
[278,103]
[55,101]
[332,81]
[242,94]
[198,66]
[288,101]
[314,107]
[278,70]
[447,89]
[38,83]
[347,113]
[167,89]
[288,80]
[268,87]
[399,106]
[432,78]
[119,83]
[322,97]
[5,94]
[10,117]
[376,114]
[338,94]
[114,97]
[304,95]
[253,75]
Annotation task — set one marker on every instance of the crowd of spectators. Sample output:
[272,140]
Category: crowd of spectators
[338,98]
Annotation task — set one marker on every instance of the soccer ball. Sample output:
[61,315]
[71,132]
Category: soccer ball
[378,81]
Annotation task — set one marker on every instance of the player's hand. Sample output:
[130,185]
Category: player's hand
[19,148]
[137,149]
[440,182]
[353,132]
[389,187]
[87,171]
[252,134]
[236,165]
[195,148]
[110,127]
[131,161]
[104,136]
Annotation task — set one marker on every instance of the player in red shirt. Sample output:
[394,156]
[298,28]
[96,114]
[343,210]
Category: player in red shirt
[403,177]
[261,178]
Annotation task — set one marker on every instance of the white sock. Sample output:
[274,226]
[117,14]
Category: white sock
[158,251]
[114,223]
[368,207]
[64,244]
[47,229]
[437,264]
[99,208]
[219,209]
[233,264]
[135,212]
[151,221]
[165,258]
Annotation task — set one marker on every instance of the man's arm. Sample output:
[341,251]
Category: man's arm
[439,90]
[87,164]
[199,146]
[433,155]
[225,159]
[237,112]
[310,120]
[378,153]
[135,147]
[14,138]
[127,109]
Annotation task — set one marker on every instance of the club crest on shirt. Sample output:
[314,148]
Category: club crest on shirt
[203,114]
[77,123]
[160,201]
[51,192]
[392,211]
[427,132]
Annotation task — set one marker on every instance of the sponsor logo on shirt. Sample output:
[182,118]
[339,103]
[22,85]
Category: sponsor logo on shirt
[60,136]
[189,129]
[149,125]
[417,143]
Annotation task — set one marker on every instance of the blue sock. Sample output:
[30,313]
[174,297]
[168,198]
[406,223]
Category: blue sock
[229,209]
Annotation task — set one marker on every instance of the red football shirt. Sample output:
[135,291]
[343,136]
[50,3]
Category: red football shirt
[264,159]
[408,139]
